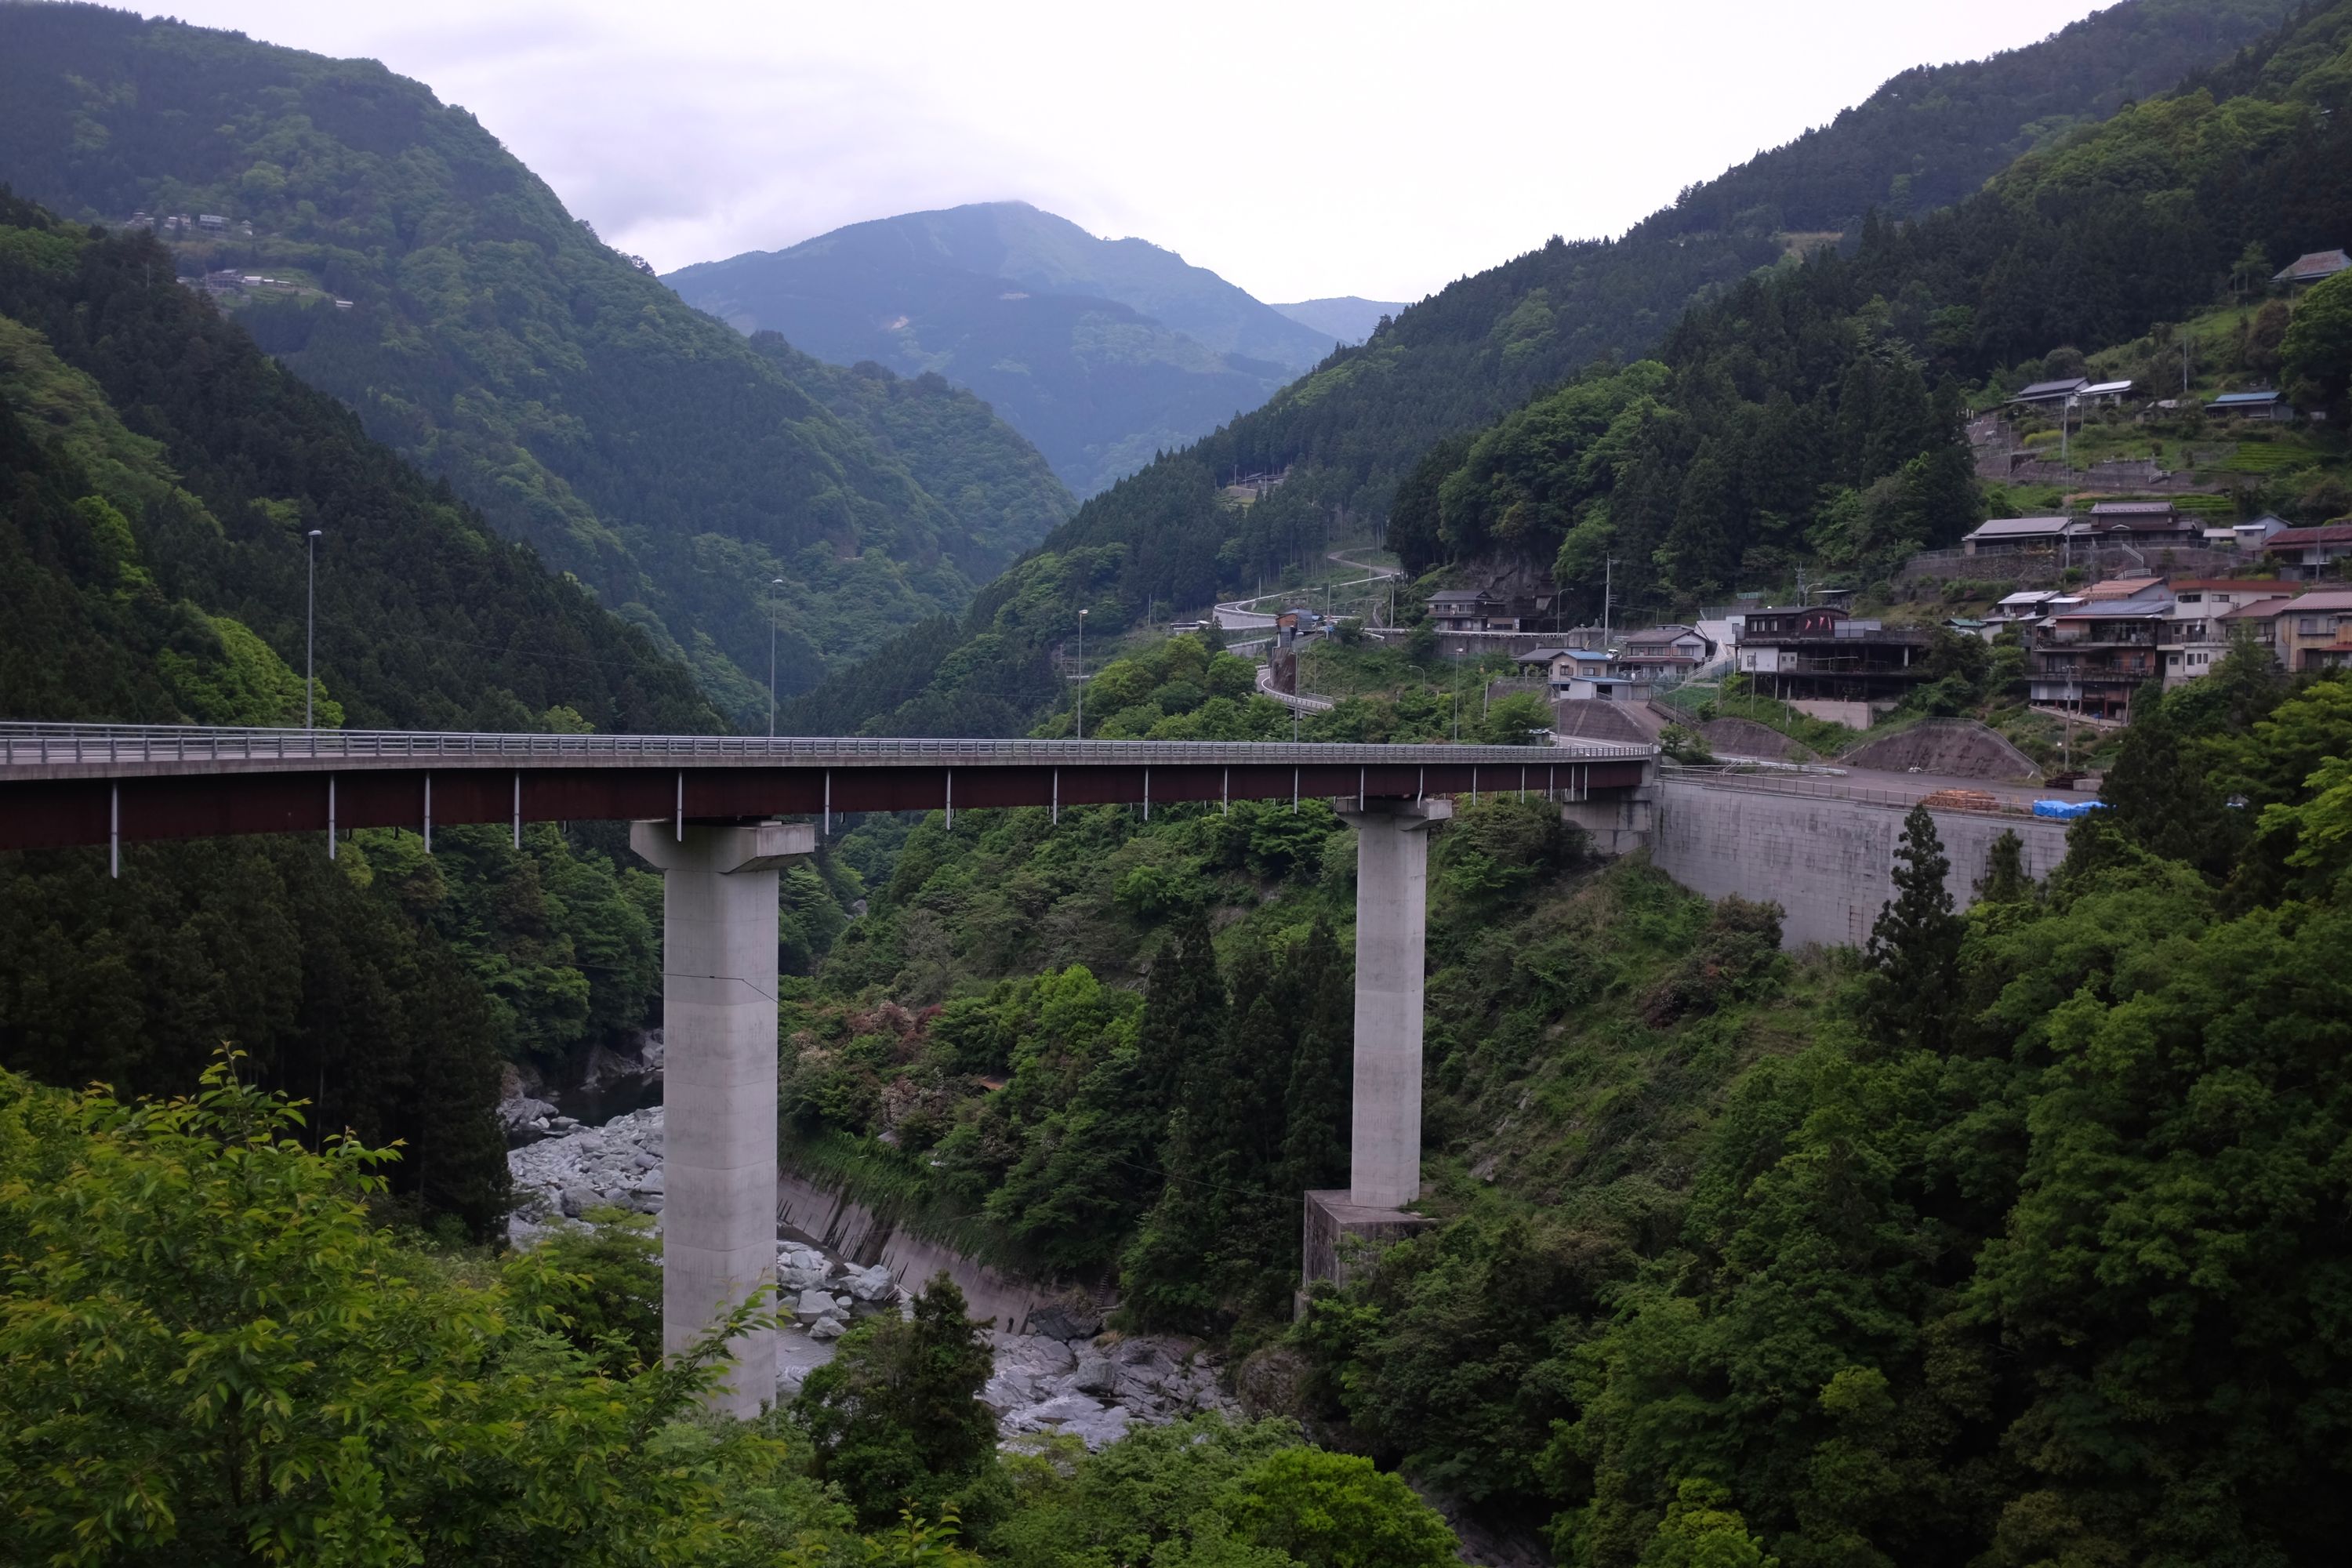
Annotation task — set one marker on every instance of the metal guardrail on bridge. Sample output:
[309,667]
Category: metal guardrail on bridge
[1776,782]
[32,744]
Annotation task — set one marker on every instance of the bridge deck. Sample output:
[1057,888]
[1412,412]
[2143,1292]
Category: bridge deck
[66,785]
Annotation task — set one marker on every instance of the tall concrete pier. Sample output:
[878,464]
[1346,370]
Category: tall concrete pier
[1392,918]
[718,1080]
[1384,1129]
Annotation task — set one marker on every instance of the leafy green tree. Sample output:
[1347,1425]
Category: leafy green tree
[2005,880]
[598,1284]
[1702,1531]
[893,1416]
[1158,1493]
[1335,1510]
[209,1354]
[2315,354]
[1521,718]
[1318,1099]
[1915,944]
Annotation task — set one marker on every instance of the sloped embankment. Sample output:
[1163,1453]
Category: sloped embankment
[1947,748]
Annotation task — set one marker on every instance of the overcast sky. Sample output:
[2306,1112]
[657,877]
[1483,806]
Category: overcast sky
[1298,148]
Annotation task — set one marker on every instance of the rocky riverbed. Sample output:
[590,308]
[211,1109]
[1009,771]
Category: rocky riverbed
[1066,1376]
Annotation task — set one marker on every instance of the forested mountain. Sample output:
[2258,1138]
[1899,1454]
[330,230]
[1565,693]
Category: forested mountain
[159,474]
[1101,352]
[1812,415]
[1453,364]
[494,340]
[1932,135]
[1347,319]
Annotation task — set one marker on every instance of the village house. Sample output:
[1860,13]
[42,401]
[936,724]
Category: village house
[2310,553]
[2197,635]
[2009,534]
[2053,396]
[1674,642]
[2026,606]
[1465,610]
[2091,657]
[2263,406]
[1826,663]
[2154,523]
[2315,267]
[2246,538]
[2314,631]
[1496,607]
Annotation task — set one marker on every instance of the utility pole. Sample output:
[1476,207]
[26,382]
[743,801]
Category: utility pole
[1608,592]
[311,629]
[1457,694]
[774,584]
[1081,675]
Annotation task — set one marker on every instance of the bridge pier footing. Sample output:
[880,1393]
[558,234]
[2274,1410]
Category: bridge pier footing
[719,1081]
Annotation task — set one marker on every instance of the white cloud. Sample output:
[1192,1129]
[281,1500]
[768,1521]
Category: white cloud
[1299,148]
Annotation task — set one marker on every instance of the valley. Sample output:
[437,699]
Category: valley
[955,895]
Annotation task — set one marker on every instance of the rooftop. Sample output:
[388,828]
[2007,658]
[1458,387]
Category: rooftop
[2132,509]
[2295,538]
[2336,599]
[2043,389]
[2244,400]
[2022,527]
[2122,587]
[2117,610]
[2312,266]
[2260,610]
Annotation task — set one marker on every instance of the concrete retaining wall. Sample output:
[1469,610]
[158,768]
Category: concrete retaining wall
[1828,863]
[846,1227]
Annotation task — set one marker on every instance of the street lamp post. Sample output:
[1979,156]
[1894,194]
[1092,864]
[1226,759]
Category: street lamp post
[1081,675]
[310,627]
[774,584]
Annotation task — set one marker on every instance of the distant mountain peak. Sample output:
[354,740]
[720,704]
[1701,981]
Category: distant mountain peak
[1348,319]
[1102,351]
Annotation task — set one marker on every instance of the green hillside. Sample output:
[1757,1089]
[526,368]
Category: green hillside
[1813,416]
[1444,369]
[158,475]
[1104,352]
[490,337]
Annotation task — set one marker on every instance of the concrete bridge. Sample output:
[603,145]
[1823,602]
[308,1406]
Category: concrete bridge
[702,808]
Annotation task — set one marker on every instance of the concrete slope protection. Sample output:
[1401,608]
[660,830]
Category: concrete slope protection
[1824,854]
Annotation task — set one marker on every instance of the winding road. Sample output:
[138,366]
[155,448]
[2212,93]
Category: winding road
[1235,614]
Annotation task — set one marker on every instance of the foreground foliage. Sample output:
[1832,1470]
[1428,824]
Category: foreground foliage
[2037,1253]
[209,1354]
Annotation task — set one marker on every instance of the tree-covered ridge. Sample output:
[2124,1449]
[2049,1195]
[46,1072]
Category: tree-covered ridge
[1814,414]
[1929,137]
[1003,493]
[579,404]
[158,476]
[1351,433]
[164,474]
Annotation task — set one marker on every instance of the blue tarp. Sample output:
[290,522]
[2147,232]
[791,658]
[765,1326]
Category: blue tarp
[2068,810]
